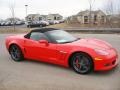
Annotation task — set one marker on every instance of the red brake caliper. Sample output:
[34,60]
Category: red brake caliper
[77,63]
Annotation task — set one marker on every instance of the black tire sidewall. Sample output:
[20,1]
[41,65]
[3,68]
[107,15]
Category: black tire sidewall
[90,62]
[21,54]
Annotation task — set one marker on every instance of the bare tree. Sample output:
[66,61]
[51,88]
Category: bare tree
[12,10]
[91,3]
[109,11]
[109,8]
[118,6]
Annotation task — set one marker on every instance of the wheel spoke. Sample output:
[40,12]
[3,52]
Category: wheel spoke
[14,49]
[84,67]
[81,63]
[15,52]
[15,55]
[79,57]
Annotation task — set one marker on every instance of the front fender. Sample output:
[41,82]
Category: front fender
[86,50]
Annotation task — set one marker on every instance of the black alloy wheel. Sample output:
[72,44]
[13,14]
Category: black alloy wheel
[16,53]
[81,63]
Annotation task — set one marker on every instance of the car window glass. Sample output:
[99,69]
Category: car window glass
[61,36]
[38,36]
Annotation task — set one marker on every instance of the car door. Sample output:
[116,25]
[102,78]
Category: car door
[40,51]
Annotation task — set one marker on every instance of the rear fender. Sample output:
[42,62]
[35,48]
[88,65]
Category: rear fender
[18,44]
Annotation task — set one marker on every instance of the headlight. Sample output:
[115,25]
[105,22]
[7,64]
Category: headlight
[101,52]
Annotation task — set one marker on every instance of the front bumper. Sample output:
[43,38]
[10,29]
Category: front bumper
[106,62]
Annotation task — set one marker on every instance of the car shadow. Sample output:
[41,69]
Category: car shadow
[106,73]
[47,64]
[69,70]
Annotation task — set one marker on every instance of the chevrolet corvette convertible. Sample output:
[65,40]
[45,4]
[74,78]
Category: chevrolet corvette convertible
[59,47]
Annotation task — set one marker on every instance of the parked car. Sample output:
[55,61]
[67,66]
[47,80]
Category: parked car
[0,21]
[56,22]
[7,23]
[51,22]
[44,22]
[19,22]
[59,47]
[61,21]
[3,23]
[35,24]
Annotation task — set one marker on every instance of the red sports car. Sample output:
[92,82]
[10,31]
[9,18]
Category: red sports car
[59,47]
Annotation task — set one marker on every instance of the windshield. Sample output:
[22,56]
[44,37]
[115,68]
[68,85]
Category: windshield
[61,36]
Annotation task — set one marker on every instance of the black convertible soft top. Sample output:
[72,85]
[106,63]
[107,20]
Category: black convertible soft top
[42,30]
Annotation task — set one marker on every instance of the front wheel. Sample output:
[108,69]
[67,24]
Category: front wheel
[16,53]
[81,63]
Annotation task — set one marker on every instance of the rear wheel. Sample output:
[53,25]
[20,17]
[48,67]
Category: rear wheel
[16,53]
[81,63]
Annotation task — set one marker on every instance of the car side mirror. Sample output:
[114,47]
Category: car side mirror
[44,42]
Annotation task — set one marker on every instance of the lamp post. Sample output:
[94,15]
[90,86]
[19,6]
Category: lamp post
[26,6]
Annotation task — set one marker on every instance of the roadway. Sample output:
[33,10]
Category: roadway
[31,75]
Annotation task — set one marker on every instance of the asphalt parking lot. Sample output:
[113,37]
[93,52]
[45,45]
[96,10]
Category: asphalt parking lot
[31,75]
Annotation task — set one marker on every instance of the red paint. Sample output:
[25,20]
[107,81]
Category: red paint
[60,53]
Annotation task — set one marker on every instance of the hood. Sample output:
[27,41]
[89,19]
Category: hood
[92,43]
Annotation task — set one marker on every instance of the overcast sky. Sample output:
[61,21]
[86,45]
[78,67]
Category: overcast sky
[63,7]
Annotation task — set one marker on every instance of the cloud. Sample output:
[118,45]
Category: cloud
[4,3]
[64,7]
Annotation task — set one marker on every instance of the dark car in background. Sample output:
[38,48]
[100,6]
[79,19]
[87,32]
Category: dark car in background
[36,23]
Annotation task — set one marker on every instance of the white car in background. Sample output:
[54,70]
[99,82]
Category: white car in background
[7,23]
[2,23]
[56,22]
[44,22]
[19,22]
[51,22]
[61,21]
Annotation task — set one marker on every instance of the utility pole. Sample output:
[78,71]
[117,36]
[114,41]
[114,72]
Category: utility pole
[12,9]
[26,6]
[26,10]
[90,14]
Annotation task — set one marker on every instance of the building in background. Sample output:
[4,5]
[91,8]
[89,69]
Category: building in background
[54,17]
[38,17]
[84,17]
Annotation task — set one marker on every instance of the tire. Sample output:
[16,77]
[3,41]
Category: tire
[30,26]
[41,25]
[16,53]
[27,26]
[81,63]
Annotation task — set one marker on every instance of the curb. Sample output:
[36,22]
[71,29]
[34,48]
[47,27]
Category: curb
[94,31]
